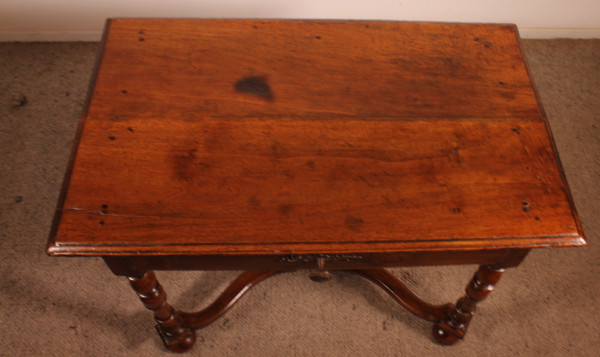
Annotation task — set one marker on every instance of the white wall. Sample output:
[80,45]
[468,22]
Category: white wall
[49,20]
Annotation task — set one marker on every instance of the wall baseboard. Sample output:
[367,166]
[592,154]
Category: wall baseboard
[548,33]
[50,36]
[93,36]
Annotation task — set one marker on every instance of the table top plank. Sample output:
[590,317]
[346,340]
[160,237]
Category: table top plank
[311,68]
[276,137]
[302,182]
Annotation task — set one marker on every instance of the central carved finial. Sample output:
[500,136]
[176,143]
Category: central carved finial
[321,274]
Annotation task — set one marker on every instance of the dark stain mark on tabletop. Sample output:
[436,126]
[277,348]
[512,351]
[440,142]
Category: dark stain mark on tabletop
[276,151]
[354,224]
[204,165]
[285,209]
[516,131]
[183,164]
[254,201]
[508,95]
[256,86]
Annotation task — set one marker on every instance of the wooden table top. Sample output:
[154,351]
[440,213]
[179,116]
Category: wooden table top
[269,137]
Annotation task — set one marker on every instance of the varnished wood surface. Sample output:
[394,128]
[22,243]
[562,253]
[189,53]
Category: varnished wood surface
[191,68]
[276,137]
[128,265]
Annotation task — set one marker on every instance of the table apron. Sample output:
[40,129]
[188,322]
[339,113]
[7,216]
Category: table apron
[128,265]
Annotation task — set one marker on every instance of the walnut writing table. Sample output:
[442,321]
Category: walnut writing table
[324,145]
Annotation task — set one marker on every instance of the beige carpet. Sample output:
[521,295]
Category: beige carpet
[72,306]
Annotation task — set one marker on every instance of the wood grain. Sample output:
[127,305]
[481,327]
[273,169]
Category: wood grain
[259,181]
[178,68]
[274,137]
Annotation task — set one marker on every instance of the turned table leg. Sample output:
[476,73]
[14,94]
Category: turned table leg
[175,335]
[454,326]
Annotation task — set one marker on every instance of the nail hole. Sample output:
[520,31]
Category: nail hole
[516,131]
[130,129]
[318,37]
[112,138]
[124,91]
[537,218]
[101,223]
[141,39]
[526,206]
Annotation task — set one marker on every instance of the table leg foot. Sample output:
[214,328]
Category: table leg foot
[445,335]
[453,327]
[170,326]
[180,343]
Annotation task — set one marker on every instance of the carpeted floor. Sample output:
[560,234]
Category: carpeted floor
[72,306]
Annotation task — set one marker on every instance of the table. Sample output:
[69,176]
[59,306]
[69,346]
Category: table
[272,146]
